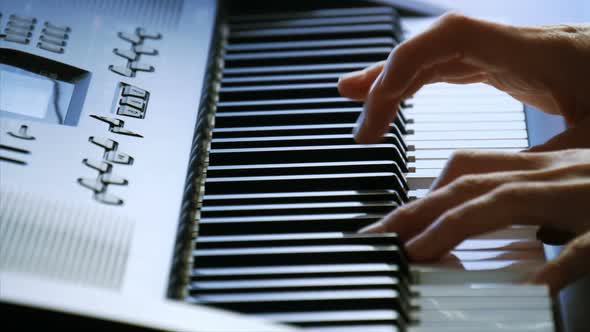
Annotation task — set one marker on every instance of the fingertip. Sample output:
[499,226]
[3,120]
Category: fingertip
[353,85]
[377,227]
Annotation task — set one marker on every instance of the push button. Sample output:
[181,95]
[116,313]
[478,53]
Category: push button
[123,131]
[62,29]
[111,178]
[127,54]
[118,157]
[16,39]
[22,133]
[133,91]
[52,41]
[143,33]
[18,32]
[142,49]
[106,143]
[98,165]
[124,71]
[107,198]
[133,102]
[55,34]
[140,66]
[106,119]
[130,37]
[92,184]
[130,111]
[50,48]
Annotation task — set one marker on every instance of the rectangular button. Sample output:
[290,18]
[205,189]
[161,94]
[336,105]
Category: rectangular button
[130,111]
[133,102]
[133,91]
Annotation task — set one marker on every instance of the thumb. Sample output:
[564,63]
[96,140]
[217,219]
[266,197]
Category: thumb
[572,138]
[569,266]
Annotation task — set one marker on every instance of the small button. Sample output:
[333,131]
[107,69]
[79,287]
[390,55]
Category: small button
[140,66]
[141,32]
[130,37]
[133,91]
[50,48]
[107,198]
[20,25]
[142,49]
[63,29]
[49,40]
[133,102]
[123,131]
[30,20]
[23,133]
[130,111]
[118,157]
[98,165]
[17,32]
[109,120]
[106,143]
[55,34]
[110,178]
[124,71]
[92,184]
[127,54]
[16,39]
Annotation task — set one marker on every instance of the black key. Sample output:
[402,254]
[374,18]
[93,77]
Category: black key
[295,69]
[302,301]
[288,141]
[315,22]
[307,168]
[286,104]
[318,13]
[295,239]
[311,44]
[303,197]
[338,319]
[295,284]
[312,33]
[311,182]
[218,211]
[346,222]
[281,79]
[277,58]
[307,154]
[294,130]
[285,91]
[320,254]
[296,271]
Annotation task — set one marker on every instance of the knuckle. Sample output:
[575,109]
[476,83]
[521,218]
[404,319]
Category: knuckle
[513,193]
[462,157]
[467,183]
[455,21]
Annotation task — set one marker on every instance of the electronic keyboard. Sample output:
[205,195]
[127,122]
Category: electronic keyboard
[190,165]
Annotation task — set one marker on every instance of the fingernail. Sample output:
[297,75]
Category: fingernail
[359,128]
[372,228]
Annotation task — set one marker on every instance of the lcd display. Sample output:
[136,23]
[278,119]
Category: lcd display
[33,95]
[41,89]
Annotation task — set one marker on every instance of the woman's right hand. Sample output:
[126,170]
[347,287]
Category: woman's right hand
[546,67]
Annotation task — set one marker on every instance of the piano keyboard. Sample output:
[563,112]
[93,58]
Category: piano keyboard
[286,188]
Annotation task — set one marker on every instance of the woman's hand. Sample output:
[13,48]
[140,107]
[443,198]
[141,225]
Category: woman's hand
[547,67]
[479,192]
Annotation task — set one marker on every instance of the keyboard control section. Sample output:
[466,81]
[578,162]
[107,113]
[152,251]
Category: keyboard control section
[132,101]
[136,50]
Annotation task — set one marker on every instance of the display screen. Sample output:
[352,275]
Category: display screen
[33,95]
[40,89]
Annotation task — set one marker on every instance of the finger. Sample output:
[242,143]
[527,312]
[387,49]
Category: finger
[453,71]
[479,45]
[356,85]
[416,216]
[509,204]
[572,138]
[569,266]
[464,162]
